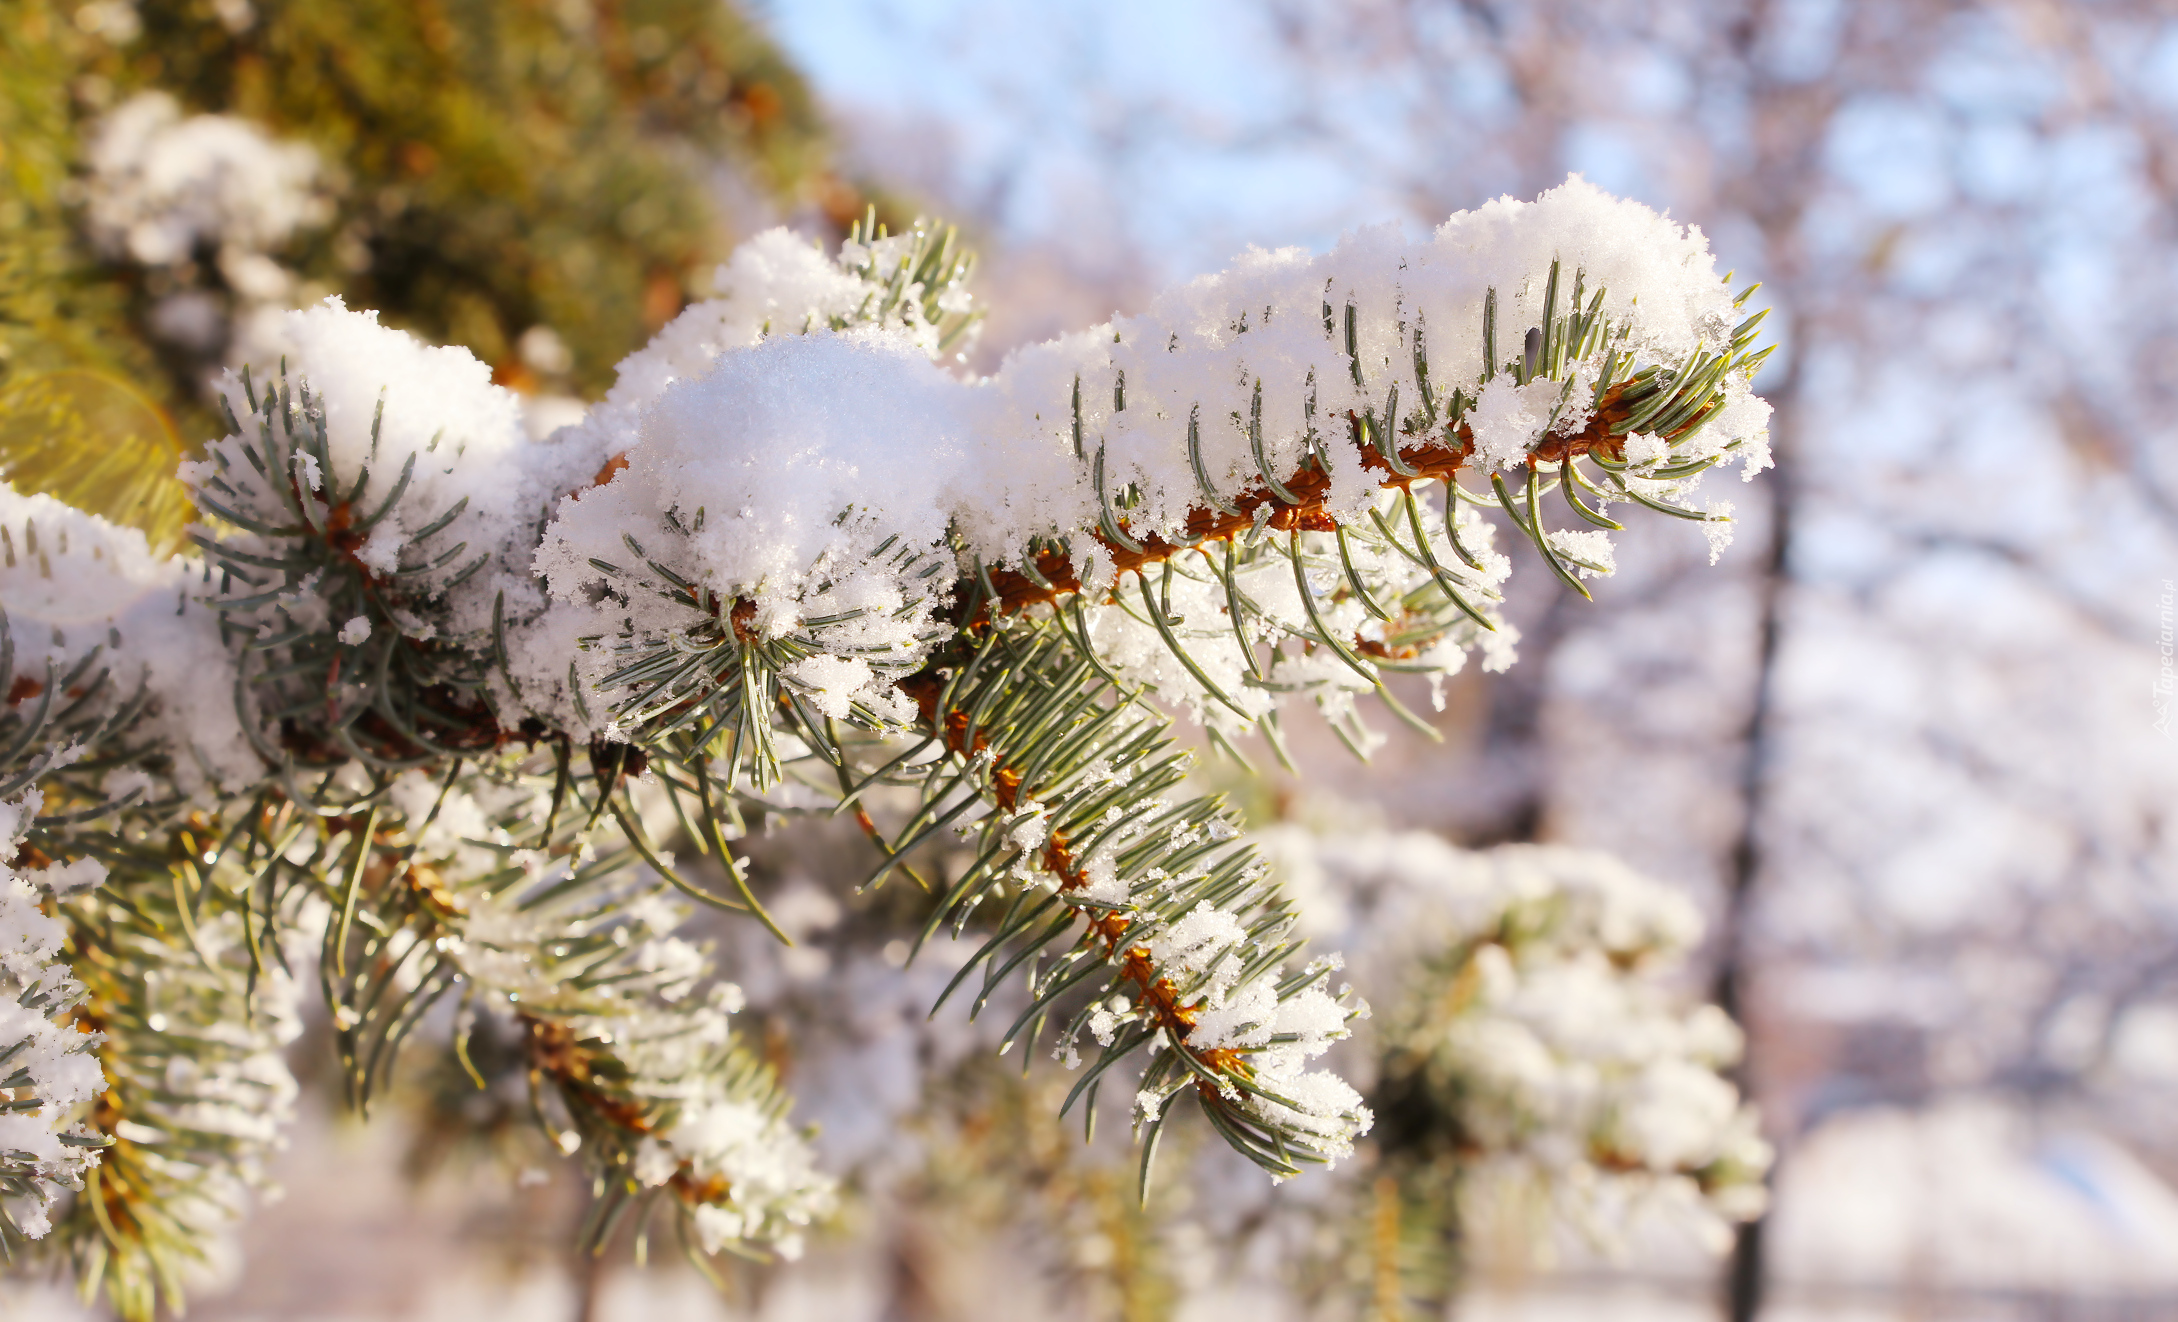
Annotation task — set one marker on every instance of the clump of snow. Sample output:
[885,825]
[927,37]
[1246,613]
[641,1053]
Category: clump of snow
[1508,419]
[1199,941]
[1203,953]
[777,284]
[810,476]
[391,404]
[1589,549]
[1646,449]
[72,582]
[161,183]
[788,461]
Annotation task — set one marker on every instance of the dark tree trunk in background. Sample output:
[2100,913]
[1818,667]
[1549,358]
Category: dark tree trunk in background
[1744,1278]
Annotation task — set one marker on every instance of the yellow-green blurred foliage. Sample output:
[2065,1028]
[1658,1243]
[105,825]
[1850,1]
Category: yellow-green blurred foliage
[495,165]
[89,439]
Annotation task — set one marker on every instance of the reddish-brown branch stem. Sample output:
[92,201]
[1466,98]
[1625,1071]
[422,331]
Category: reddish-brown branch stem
[1108,928]
[555,1052]
[1437,459]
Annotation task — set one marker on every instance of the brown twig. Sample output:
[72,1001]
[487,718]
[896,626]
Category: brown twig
[1438,459]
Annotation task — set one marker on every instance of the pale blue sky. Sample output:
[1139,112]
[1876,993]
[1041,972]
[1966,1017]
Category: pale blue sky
[1041,99]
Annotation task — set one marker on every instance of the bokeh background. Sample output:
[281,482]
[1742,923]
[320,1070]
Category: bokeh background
[1908,743]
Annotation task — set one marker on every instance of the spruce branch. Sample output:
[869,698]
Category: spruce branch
[191,1030]
[430,696]
[486,896]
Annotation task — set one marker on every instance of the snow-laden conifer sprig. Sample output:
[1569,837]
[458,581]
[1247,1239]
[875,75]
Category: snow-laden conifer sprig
[119,686]
[194,1017]
[47,1069]
[183,954]
[1228,487]
[381,503]
[481,886]
[353,588]
[120,703]
[1295,425]
[66,723]
[1168,936]
[1209,503]
[759,519]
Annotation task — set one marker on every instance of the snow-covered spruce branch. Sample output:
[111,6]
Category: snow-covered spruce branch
[787,547]
[59,726]
[132,706]
[425,888]
[1150,552]
[1220,473]
[156,1058]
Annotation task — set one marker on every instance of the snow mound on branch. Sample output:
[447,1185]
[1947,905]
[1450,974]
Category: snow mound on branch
[788,462]
[776,285]
[801,476]
[393,402]
[1278,320]
[71,582]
